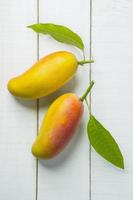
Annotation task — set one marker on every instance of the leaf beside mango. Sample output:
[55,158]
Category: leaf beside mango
[103,142]
[59,33]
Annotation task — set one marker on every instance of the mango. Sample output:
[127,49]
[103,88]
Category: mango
[59,124]
[44,77]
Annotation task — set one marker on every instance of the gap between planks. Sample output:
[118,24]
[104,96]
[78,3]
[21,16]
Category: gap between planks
[90,100]
[37,103]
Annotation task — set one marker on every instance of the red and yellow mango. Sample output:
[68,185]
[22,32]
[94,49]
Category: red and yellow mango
[58,126]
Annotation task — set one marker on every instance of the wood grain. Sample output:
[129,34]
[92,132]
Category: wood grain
[17,117]
[66,176]
[112,46]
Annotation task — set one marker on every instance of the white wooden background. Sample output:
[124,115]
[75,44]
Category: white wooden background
[77,174]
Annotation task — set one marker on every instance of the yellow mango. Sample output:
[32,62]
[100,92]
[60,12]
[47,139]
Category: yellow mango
[45,76]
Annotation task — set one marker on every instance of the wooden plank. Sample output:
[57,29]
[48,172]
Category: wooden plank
[66,176]
[17,117]
[113,95]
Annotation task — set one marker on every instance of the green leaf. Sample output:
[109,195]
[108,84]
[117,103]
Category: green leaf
[104,143]
[59,33]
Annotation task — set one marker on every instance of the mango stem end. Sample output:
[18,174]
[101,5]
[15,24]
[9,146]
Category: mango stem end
[83,62]
[87,91]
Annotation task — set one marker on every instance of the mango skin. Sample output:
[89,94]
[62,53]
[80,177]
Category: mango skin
[58,126]
[46,76]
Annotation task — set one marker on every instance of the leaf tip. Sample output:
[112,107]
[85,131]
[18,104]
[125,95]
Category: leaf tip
[29,26]
[122,164]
